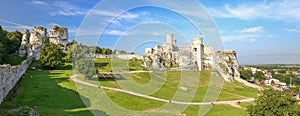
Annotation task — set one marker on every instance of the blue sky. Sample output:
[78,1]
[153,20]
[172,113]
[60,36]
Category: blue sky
[261,31]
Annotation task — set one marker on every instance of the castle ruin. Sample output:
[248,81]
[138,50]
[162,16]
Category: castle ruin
[195,56]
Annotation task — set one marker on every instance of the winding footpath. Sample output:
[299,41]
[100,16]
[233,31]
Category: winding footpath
[230,102]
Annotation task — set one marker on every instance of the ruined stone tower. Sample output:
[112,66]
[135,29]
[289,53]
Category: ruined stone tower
[198,52]
[169,42]
[59,35]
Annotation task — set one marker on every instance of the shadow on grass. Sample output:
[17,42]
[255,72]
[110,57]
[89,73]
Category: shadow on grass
[110,77]
[49,94]
[101,65]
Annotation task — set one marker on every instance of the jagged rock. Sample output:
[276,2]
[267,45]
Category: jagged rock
[24,44]
[226,64]
[36,41]
[59,35]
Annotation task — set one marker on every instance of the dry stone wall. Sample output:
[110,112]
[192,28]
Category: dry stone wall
[10,75]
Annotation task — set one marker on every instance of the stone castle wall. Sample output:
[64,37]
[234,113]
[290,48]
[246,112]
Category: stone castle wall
[10,75]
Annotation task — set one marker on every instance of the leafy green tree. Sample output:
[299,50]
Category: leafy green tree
[274,103]
[14,41]
[259,75]
[82,64]
[246,74]
[106,51]
[52,56]
[3,52]
[47,40]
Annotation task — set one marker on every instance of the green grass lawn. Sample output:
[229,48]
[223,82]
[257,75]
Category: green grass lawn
[53,93]
[217,110]
[49,93]
[106,64]
[230,91]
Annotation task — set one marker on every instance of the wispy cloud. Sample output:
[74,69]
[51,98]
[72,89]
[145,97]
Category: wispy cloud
[286,10]
[113,32]
[37,2]
[64,8]
[68,9]
[250,34]
[103,12]
[293,30]
[14,25]
[257,29]
[241,37]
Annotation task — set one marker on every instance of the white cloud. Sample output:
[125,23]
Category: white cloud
[9,25]
[257,29]
[250,34]
[295,30]
[67,9]
[114,32]
[129,16]
[287,10]
[64,8]
[36,2]
[242,37]
[103,12]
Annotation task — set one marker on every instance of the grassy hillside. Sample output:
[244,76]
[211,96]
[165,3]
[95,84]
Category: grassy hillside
[53,93]
[49,93]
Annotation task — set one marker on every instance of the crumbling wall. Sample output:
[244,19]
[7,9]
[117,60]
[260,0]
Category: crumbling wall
[10,75]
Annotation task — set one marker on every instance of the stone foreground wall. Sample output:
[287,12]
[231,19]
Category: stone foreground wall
[10,75]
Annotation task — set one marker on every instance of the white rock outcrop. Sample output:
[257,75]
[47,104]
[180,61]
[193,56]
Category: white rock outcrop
[59,35]
[24,44]
[36,41]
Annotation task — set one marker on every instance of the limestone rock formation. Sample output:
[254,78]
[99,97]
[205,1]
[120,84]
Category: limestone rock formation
[226,63]
[36,41]
[24,44]
[59,35]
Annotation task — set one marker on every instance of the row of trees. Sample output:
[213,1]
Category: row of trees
[287,78]
[247,74]
[107,51]
[9,43]
[275,103]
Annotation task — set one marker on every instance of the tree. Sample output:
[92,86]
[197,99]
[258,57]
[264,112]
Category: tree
[83,65]
[47,40]
[106,51]
[259,75]
[274,103]
[3,52]
[14,41]
[246,74]
[52,55]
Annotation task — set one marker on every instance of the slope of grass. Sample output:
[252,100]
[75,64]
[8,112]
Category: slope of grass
[49,93]
[217,110]
[106,64]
